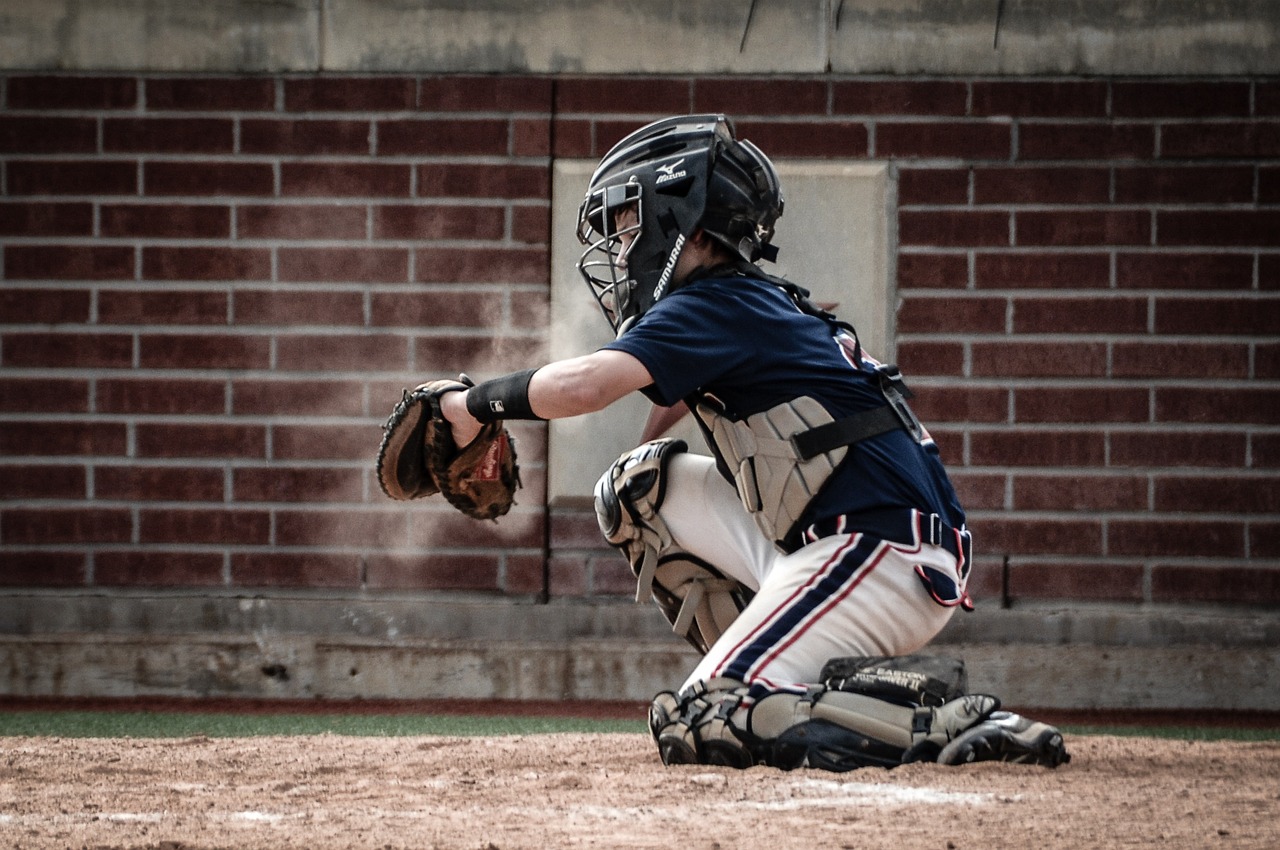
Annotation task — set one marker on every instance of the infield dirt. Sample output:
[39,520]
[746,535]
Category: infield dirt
[610,791]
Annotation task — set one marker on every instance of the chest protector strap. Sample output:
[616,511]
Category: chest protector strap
[774,481]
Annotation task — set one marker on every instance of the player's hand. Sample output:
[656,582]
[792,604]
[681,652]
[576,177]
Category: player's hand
[465,426]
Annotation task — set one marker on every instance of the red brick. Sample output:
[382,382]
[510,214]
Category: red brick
[209,94]
[567,575]
[343,352]
[1220,227]
[444,137]
[39,134]
[1234,405]
[278,483]
[492,265]
[302,570]
[354,94]
[932,271]
[952,315]
[979,490]
[807,138]
[42,568]
[194,527]
[32,218]
[1018,359]
[954,229]
[1233,140]
[1023,185]
[347,527]
[68,262]
[1179,359]
[1264,540]
[1118,315]
[1180,537]
[571,138]
[435,309]
[760,95]
[201,440]
[933,186]
[518,529]
[158,484]
[191,307]
[462,180]
[54,439]
[1224,315]
[1074,448]
[1103,582]
[277,397]
[1079,493]
[531,224]
[343,265]
[1057,99]
[1166,448]
[438,222]
[44,306]
[1175,185]
[298,307]
[1269,185]
[1229,584]
[950,140]
[42,481]
[63,351]
[1158,99]
[42,526]
[480,353]
[524,575]
[1215,493]
[960,403]
[152,568]
[321,442]
[1083,227]
[160,396]
[1267,361]
[899,97]
[930,358]
[1269,272]
[305,138]
[175,221]
[72,177]
[1267,97]
[68,92]
[44,396]
[460,93]
[654,96]
[344,179]
[1183,271]
[205,263]
[530,137]
[301,221]
[1084,405]
[1060,538]
[200,351]
[245,179]
[168,135]
[433,572]
[1086,141]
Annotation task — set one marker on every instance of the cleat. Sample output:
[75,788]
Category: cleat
[1007,737]
[953,718]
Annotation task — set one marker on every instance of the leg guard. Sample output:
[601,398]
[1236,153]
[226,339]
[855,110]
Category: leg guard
[823,728]
[694,596]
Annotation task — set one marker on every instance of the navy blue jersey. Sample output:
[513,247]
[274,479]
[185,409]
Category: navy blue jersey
[746,343]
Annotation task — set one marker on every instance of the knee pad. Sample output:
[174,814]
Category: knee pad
[695,597]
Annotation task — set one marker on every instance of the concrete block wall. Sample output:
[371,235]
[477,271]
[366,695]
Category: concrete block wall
[214,287]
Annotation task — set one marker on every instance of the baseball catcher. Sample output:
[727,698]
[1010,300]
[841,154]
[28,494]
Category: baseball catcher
[419,456]
[823,541]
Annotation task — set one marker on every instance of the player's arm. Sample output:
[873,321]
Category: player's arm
[558,390]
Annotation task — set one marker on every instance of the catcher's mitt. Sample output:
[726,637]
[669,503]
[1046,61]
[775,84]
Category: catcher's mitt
[418,457]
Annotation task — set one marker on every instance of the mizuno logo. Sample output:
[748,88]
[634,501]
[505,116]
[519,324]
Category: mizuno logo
[669,172]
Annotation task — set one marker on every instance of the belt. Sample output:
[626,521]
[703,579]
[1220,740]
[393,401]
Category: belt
[906,526]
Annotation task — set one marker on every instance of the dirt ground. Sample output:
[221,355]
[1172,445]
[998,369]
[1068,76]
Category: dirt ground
[610,791]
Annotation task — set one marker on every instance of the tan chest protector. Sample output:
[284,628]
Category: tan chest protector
[773,479]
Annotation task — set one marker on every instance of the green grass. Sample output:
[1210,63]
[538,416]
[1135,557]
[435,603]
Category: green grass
[129,724]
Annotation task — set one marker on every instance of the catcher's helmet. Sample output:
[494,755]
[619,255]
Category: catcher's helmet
[675,175]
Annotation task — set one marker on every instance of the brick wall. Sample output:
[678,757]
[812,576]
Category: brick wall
[214,288]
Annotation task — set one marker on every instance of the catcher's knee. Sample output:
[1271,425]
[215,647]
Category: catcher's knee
[695,597]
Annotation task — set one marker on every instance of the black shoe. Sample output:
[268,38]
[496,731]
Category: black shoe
[1007,737]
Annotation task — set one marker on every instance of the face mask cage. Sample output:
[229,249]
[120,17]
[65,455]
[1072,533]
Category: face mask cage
[604,264]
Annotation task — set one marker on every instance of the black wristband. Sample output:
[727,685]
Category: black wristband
[502,398]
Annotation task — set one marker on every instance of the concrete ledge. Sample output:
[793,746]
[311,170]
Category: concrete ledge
[1099,657]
